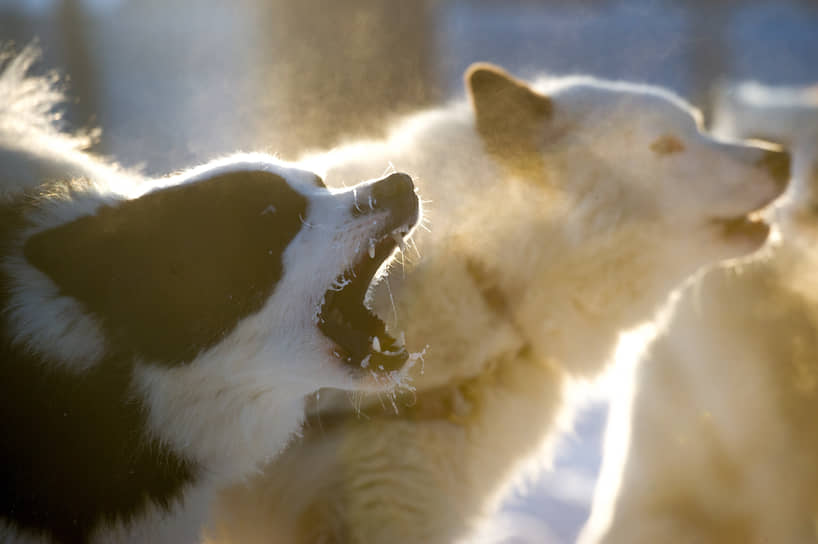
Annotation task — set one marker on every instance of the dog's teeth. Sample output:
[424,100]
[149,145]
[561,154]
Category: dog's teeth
[376,344]
[401,340]
[399,240]
[372,249]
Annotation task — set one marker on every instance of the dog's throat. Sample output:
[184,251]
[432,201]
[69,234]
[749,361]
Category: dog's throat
[492,294]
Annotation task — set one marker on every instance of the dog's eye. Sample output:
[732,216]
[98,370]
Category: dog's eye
[318,182]
[667,144]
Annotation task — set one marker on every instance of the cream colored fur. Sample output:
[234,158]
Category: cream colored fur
[526,280]
[33,146]
[723,427]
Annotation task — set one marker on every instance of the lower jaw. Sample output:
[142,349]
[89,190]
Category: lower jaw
[374,380]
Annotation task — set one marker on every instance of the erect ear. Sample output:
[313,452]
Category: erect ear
[510,115]
[172,272]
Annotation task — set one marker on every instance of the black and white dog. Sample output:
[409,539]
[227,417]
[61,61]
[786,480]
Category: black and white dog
[158,337]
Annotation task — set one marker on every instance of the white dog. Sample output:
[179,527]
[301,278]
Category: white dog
[561,214]
[723,430]
[158,337]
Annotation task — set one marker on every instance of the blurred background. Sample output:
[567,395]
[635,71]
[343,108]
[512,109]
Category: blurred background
[176,82]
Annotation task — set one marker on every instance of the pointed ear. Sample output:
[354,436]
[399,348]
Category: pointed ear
[494,93]
[510,116]
[170,273]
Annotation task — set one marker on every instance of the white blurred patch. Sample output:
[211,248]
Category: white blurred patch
[514,528]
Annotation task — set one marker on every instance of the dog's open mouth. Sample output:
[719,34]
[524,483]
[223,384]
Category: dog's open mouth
[360,337]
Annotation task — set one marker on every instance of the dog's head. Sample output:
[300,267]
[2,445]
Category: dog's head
[633,148]
[623,196]
[248,265]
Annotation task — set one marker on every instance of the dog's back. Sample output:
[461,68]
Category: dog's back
[33,145]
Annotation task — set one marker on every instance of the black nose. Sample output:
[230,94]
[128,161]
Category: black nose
[392,190]
[778,164]
[394,193]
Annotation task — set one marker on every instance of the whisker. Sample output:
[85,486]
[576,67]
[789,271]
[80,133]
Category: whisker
[319,227]
[318,411]
[353,402]
[390,169]
[417,251]
[403,262]
[380,400]
[393,397]
[355,200]
[392,301]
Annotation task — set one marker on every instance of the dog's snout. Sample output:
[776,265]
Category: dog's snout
[777,163]
[395,192]
[392,189]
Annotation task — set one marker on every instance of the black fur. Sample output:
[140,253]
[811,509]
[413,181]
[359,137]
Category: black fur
[167,275]
[174,271]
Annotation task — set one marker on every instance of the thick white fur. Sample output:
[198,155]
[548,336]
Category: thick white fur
[236,404]
[723,425]
[588,251]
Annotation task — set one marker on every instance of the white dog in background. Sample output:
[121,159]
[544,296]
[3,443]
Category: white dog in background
[158,337]
[724,422]
[561,214]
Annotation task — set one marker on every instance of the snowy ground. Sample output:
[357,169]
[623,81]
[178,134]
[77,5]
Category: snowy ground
[553,508]
[175,83]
